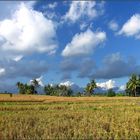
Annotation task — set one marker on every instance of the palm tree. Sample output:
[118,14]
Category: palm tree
[90,87]
[64,90]
[48,89]
[34,83]
[21,87]
[18,84]
[132,85]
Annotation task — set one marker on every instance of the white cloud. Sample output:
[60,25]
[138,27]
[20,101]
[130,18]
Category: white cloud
[39,81]
[131,27]
[52,5]
[114,57]
[83,26]
[84,43]
[2,71]
[113,25]
[80,9]
[28,31]
[106,85]
[6,8]
[17,58]
[122,87]
[67,83]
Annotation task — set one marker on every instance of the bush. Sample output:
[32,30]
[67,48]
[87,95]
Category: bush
[78,94]
[111,93]
[120,94]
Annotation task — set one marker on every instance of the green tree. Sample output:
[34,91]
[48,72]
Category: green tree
[64,90]
[111,93]
[30,89]
[132,84]
[26,89]
[21,87]
[48,89]
[57,90]
[34,86]
[90,88]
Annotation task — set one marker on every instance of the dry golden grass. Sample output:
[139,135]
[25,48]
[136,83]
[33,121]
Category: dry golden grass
[44,98]
[48,117]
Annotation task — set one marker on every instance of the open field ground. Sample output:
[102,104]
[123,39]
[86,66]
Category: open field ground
[48,117]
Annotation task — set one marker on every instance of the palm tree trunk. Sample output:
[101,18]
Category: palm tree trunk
[135,92]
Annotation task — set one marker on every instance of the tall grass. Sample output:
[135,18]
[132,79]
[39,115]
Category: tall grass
[78,118]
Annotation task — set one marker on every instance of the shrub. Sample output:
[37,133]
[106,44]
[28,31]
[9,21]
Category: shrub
[111,93]
[120,94]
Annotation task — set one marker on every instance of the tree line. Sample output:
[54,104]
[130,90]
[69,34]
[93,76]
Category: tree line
[132,88]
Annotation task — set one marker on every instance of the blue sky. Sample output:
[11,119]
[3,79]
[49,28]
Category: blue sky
[69,42]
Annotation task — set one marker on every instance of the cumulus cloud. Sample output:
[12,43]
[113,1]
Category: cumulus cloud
[86,68]
[80,9]
[83,66]
[6,8]
[83,26]
[66,83]
[18,58]
[66,76]
[27,31]
[83,43]
[2,71]
[122,88]
[131,27]
[103,87]
[12,69]
[107,85]
[39,80]
[116,66]
[113,25]
[52,5]
[68,65]
[112,66]
[75,88]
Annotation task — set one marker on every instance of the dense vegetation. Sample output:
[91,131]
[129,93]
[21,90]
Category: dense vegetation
[28,89]
[132,88]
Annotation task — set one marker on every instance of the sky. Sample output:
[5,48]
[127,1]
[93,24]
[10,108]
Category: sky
[69,42]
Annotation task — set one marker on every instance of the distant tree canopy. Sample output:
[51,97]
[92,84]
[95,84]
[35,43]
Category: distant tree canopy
[132,88]
[111,93]
[58,90]
[28,88]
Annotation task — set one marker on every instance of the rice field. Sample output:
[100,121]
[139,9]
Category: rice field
[47,117]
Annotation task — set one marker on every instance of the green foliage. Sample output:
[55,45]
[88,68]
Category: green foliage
[28,89]
[111,93]
[120,94]
[79,94]
[58,90]
[48,89]
[132,85]
[89,89]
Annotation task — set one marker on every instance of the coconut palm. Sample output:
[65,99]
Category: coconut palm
[90,87]
[48,89]
[21,87]
[132,85]
[34,83]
